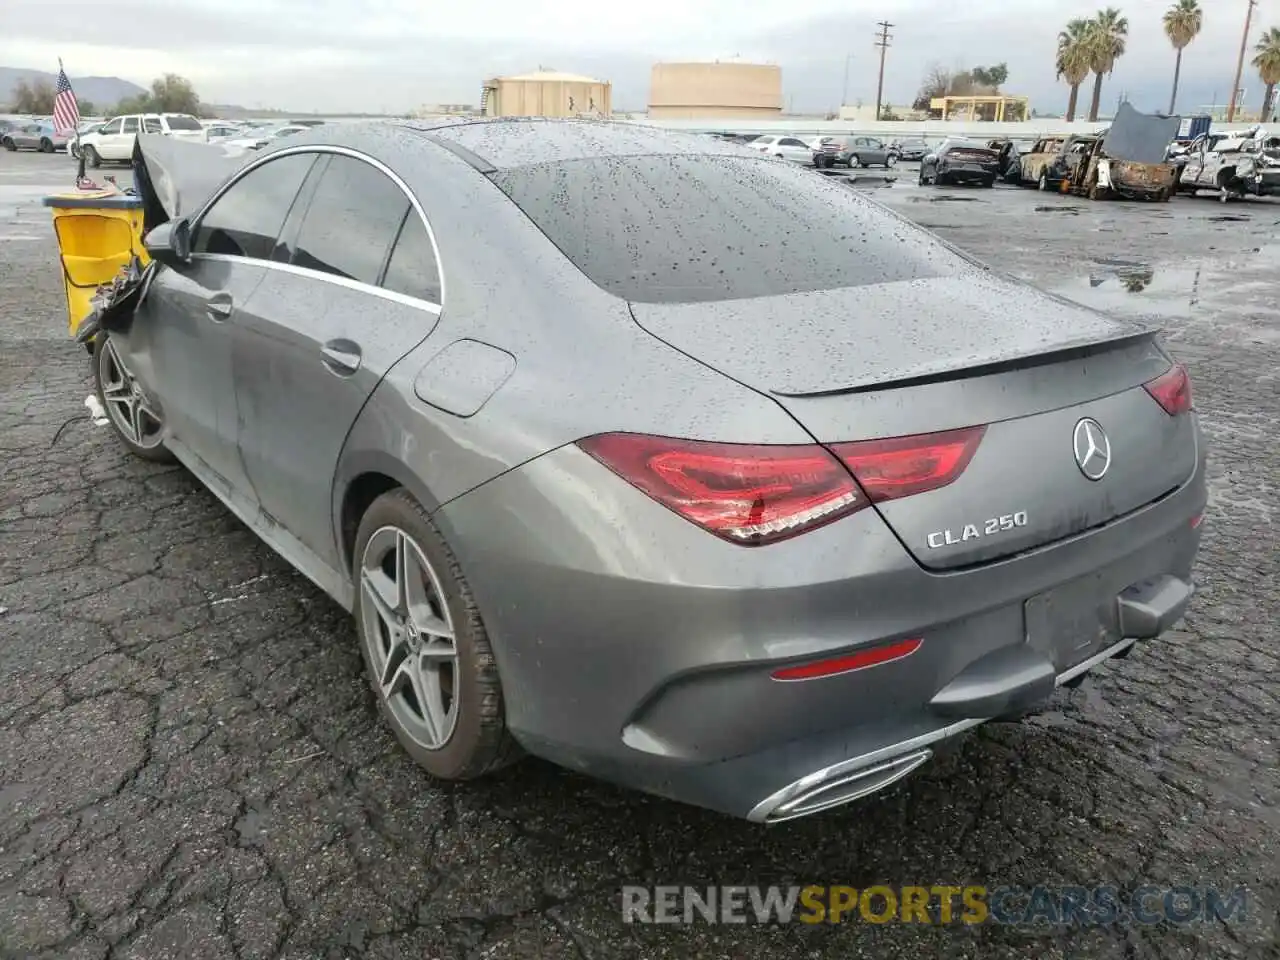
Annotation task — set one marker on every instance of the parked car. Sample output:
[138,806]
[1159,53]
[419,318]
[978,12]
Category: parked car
[1038,164]
[960,161]
[585,495]
[783,147]
[85,126]
[39,136]
[114,140]
[1128,160]
[913,150]
[1233,166]
[256,139]
[222,131]
[854,152]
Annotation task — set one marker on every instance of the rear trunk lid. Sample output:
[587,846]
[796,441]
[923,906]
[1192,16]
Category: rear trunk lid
[921,357]
[979,155]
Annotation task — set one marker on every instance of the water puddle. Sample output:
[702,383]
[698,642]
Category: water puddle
[1135,287]
[1073,211]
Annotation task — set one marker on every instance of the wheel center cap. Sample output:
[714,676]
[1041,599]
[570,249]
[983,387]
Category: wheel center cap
[413,638]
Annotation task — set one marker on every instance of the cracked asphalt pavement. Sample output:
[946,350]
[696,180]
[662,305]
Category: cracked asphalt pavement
[191,764]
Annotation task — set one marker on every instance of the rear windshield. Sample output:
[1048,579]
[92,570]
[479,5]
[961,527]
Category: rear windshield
[180,121]
[685,229]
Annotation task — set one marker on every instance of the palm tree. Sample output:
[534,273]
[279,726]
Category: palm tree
[1074,61]
[1268,63]
[1182,23]
[1107,34]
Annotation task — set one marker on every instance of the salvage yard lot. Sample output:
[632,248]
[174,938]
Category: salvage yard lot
[192,766]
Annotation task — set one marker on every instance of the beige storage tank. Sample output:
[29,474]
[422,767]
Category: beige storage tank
[694,91]
[546,94]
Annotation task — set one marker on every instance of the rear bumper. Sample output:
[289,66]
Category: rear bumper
[639,649]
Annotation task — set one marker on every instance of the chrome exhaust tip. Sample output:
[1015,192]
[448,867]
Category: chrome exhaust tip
[827,788]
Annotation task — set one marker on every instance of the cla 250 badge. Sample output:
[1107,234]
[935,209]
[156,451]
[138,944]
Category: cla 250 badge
[975,531]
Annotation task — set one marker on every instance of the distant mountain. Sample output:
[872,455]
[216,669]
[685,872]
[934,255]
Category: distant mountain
[102,92]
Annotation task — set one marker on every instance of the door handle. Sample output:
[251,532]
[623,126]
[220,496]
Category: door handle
[342,357]
[219,307]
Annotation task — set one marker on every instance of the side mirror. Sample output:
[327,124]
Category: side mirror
[170,243]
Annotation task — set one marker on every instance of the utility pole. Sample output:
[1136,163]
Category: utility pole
[845,94]
[1244,46]
[882,41]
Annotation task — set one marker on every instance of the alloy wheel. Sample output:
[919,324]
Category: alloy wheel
[128,406]
[410,636]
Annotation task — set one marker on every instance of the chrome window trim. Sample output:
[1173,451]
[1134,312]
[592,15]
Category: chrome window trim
[378,165]
[357,285]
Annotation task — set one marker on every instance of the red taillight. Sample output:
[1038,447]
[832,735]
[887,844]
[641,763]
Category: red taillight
[904,466]
[746,494]
[860,660]
[1172,390]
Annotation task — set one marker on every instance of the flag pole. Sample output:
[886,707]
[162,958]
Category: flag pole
[80,171]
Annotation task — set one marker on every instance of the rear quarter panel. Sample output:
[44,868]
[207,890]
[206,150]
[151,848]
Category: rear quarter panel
[581,363]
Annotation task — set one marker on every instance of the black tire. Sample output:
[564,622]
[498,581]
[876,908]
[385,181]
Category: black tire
[989,183]
[1043,183]
[939,180]
[479,742]
[46,145]
[923,181]
[91,155]
[153,448]
[890,161]
[854,161]
[9,144]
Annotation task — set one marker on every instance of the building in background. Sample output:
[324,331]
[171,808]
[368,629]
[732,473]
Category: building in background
[995,107]
[546,94]
[727,90]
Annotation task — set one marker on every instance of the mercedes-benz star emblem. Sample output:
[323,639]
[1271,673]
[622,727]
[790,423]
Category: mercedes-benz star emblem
[1093,449]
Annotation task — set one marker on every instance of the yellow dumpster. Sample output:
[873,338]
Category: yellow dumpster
[98,232]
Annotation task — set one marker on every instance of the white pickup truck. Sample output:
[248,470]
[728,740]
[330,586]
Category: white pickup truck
[113,141]
[1233,165]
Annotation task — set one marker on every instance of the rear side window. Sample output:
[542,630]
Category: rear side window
[245,221]
[685,229]
[180,121]
[412,269]
[351,222]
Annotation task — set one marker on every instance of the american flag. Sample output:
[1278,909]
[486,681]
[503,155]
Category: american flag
[66,112]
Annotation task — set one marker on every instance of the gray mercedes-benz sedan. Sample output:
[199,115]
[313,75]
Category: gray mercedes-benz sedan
[665,461]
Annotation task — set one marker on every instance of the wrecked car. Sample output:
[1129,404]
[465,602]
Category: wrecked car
[1127,160]
[1070,162]
[1233,166]
[1034,165]
[1008,155]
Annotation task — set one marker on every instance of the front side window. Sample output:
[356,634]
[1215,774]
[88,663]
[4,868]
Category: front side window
[245,221]
[351,221]
[130,125]
[113,126]
[151,125]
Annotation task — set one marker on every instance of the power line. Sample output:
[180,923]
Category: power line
[882,41]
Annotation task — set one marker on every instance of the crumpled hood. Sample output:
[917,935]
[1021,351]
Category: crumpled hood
[1139,137]
[175,177]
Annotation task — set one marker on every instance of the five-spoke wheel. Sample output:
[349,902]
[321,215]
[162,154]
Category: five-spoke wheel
[411,637]
[426,650]
[135,417]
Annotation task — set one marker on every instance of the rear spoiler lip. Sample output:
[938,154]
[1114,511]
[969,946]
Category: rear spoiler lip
[945,374]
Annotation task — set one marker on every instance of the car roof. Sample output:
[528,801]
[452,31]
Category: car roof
[506,143]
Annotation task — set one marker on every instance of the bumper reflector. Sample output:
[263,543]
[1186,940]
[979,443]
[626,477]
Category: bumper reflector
[849,662]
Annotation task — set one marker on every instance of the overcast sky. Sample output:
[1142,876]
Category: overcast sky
[393,55]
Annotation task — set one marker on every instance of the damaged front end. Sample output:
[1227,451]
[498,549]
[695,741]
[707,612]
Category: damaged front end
[172,178]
